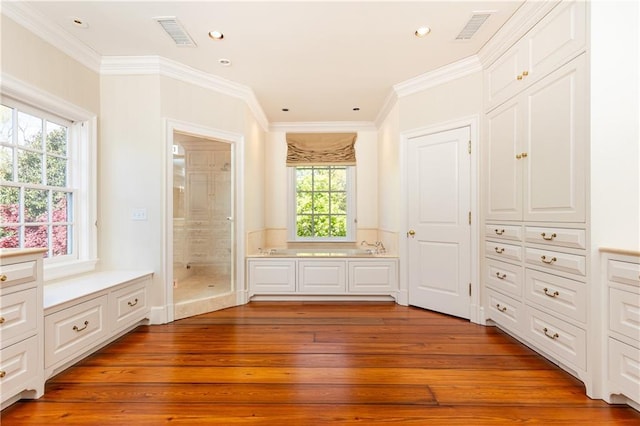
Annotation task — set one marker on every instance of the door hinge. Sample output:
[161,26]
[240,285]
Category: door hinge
[469,218]
[469,289]
[469,147]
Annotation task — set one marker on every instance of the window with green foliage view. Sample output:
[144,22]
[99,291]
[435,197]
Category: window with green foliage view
[35,197]
[322,202]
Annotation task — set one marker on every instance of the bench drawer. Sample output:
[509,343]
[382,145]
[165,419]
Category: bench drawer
[128,306]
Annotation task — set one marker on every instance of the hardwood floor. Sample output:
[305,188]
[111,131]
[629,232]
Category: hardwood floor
[316,363]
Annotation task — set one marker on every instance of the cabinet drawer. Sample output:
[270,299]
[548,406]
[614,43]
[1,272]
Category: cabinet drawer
[624,369]
[503,232]
[73,330]
[18,273]
[373,277]
[322,277]
[18,315]
[19,364]
[624,272]
[553,260]
[562,295]
[128,306]
[557,337]
[272,276]
[574,238]
[504,310]
[504,277]
[502,251]
[624,313]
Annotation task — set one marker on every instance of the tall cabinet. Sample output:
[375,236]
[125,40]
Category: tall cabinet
[535,159]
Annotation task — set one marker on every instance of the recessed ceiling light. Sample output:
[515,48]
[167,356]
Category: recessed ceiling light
[422,31]
[216,35]
[79,23]
[224,62]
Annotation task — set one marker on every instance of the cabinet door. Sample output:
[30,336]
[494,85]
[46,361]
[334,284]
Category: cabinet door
[554,166]
[503,182]
[322,277]
[272,276]
[503,79]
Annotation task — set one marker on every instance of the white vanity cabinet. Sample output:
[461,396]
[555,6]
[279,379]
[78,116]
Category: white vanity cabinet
[322,276]
[21,326]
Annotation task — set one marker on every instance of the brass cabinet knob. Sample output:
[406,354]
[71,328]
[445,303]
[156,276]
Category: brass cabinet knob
[3,277]
[519,77]
[525,73]
[2,373]
[411,233]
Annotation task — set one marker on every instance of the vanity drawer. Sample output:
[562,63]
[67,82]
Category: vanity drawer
[624,313]
[503,276]
[623,272]
[73,330]
[557,337]
[503,232]
[18,365]
[128,306]
[624,369]
[574,238]
[502,251]
[552,260]
[504,310]
[18,273]
[562,295]
[18,315]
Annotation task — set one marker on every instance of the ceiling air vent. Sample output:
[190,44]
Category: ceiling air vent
[474,24]
[176,31]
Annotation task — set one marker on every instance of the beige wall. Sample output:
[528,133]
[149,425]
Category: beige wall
[30,59]
[389,178]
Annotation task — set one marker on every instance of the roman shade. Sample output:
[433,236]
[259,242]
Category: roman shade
[321,149]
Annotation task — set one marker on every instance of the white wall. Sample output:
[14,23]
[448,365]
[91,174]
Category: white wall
[389,173]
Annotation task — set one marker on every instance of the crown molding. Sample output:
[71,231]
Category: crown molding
[157,65]
[387,106]
[438,76]
[323,126]
[523,19]
[27,17]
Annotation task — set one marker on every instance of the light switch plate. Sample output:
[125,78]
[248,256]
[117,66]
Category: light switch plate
[139,214]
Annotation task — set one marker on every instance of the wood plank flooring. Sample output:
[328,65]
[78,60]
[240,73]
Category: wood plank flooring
[295,363]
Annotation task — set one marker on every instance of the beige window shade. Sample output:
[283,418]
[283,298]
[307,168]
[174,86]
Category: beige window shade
[321,149]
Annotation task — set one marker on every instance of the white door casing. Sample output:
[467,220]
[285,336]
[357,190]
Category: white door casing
[439,232]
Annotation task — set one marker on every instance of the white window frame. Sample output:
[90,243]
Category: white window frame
[83,176]
[351,210]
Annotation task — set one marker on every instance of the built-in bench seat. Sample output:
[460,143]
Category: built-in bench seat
[83,314]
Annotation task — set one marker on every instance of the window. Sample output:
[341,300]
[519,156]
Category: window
[47,198]
[323,207]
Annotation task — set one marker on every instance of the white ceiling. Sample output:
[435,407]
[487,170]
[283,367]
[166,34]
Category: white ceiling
[319,59]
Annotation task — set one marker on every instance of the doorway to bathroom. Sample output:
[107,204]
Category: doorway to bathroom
[203,226]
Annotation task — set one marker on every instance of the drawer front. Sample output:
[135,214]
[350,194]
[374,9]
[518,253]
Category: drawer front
[373,277]
[504,310]
[624,369]
[552,260]
[18,365]
[499,250]
[73,330]
[272,276]
[557,337]
[18,315]
[128,306]
[574,238]
[504,277]
[624,313]
[322,277]
[624,272]
[562,295]
[503,232]
[18,273]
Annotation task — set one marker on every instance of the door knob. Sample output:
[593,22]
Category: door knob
[411,233]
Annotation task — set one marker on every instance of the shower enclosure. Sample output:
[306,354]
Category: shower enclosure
[202,225]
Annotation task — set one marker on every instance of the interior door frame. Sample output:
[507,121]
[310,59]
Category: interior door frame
[237,152]
[475,308]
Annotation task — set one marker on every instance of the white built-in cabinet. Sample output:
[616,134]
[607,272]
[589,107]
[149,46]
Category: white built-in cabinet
[535,159]
[273,276]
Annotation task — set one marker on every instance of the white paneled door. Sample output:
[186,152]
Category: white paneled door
[439,233]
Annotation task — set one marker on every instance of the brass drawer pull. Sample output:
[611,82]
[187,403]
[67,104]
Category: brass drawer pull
[3,277]
[554,294]
[553,336]
[499,250]
[75,327]
[499,231]
[134,303]
[2,320]
[2,373]
[549,238]
[548,262]
[501,276]
[501,308]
